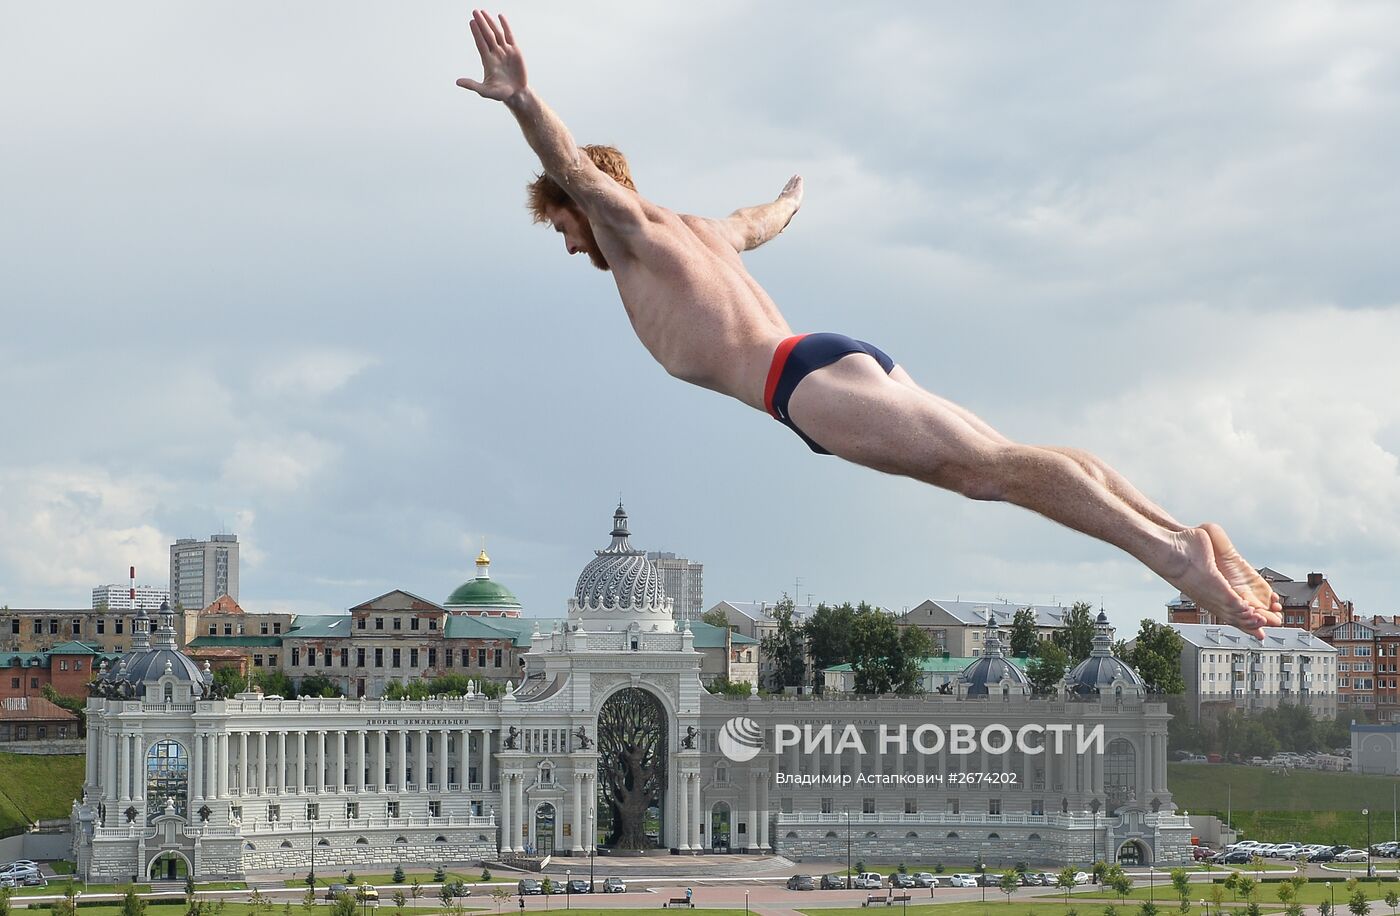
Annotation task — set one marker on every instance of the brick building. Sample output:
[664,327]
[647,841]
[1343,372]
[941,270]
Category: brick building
[1308,604]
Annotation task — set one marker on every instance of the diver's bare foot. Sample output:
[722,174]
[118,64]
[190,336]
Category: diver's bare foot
[1192,569]
[1242,577]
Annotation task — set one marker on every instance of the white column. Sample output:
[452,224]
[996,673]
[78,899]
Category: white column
[507,827]
[420,763]
[577,818]
[90,766]
[301,762]
[521,814]
[222,765]
[763,841]
[485,760]
[243,764]
[464,754]
[683,814]
[196,771]
[401,760]
[281,784]
[697,815]
[123,768]
[319,746]
[337,765]
[377,739]
[442,760]
[361,761]
[138,768]
[261,781]
[752,841]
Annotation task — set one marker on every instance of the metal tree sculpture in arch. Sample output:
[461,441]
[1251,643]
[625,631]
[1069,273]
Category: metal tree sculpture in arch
[631,733]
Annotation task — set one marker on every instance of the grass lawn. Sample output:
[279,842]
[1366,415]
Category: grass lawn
[1024,908]
[1266,895]
[1304,805]
[325,879]
[59,888]
[36,787]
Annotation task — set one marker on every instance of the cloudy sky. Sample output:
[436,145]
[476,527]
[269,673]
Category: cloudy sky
[264,269]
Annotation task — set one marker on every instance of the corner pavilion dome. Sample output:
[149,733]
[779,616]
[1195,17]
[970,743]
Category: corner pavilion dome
[1103,673]
[150,660]
[483,596]
[993,672]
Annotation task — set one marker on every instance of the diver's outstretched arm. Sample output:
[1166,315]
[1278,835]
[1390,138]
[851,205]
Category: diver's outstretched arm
[750,227]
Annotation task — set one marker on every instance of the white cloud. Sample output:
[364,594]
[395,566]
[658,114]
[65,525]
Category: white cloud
[65,530]
[311,374]
[276,464]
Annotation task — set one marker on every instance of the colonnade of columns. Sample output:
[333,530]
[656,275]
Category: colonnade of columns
[272,762]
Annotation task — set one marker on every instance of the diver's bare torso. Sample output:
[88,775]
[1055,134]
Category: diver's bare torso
[692,303]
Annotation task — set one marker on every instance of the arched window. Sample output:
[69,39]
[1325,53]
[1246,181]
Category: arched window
[167,776]
[400,840]
[323,842]
[993,836]
[792,834]
[831,834]
[953,835]
[911,835]
[286,844]
[361,841]
[1119,773]
[440,839]
[1033,836]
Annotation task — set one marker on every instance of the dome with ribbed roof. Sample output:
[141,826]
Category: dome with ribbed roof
[150,660]
[992,673]
[1103,672]
[483,595]
[620,585]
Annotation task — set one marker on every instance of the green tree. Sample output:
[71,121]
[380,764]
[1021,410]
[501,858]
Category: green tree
[399,901]
[308,901]
[445,894]
[1046,668]
[499,896]
[1110,910]
[1181,883]
[1324,908]
[4,901]
[1065,880]
[1121,883]
[350,879]
[189,889]
[344,905]
[440,874]
[257,902]
[1293,909]
[1232,883]
[318,685]
[1247,886]
[1358,904]
[723,686]
[1392,900]
[1022,637]
[715,618]
[67,905]
[398,874]
[1217,896]
[1010,883]
[828,636]
[547,886]
[416,890]
[1076,637]
[132,905]
[1148,908]
[884,658]
[1156,657]
[1286,892]
[784,649]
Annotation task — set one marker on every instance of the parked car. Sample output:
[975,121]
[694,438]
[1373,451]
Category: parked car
[924,879]
[869,880]
[1352,855]
[529,886]
[579,886]
[335,890]
[614,886]
[801,883]
[833,882]
[901,879]
[964,881]
[1323,855]
[366,892]
[35,881]
[1082,877]
[1201,852]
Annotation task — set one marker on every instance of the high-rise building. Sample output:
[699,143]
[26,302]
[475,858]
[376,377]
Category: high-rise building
[201,571]
[118,597]
[684,582]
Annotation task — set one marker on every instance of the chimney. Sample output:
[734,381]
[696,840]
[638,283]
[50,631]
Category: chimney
[1314,579]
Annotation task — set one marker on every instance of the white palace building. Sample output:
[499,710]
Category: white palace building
[610,741]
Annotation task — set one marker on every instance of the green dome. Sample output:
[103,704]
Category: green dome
[482,593]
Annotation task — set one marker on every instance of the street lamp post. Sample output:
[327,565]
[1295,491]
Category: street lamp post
[848,850]
[1205,909]
[568,889]
[1370,868]
[311,877]
[1332,899]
